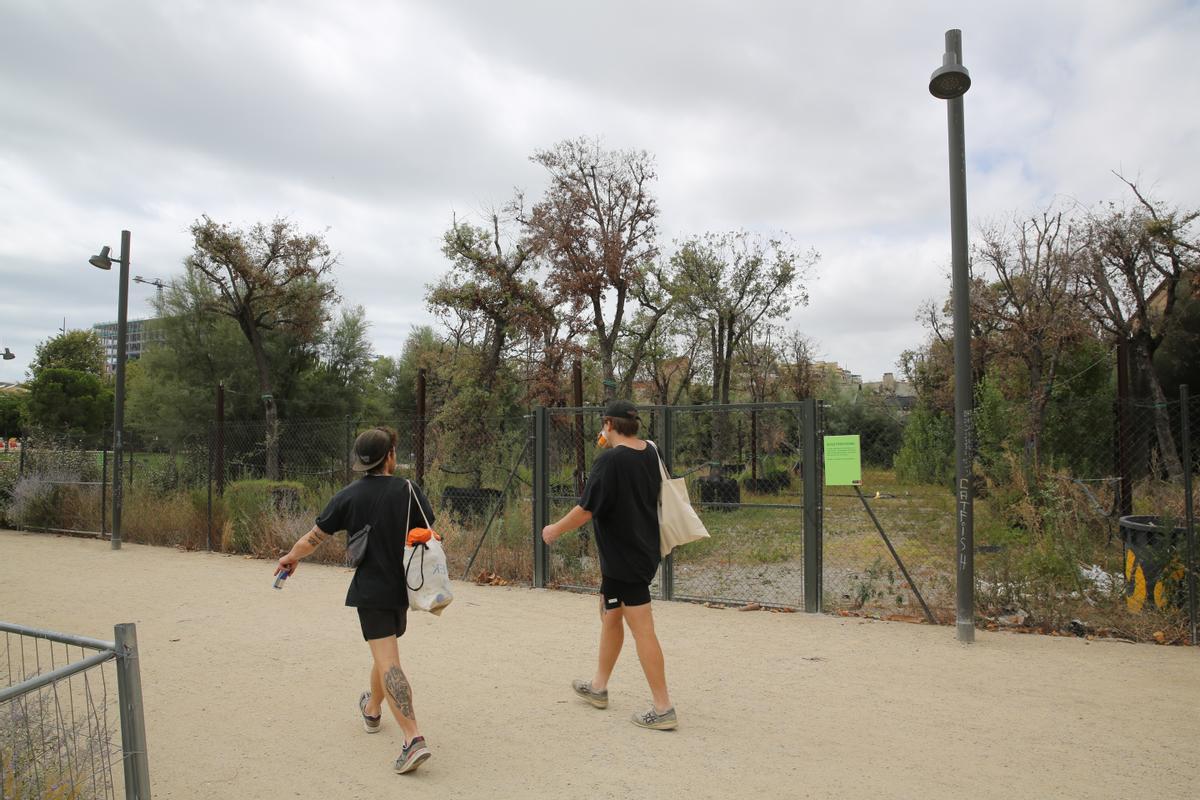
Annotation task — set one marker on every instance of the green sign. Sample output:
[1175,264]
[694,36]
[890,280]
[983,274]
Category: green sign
[843,461]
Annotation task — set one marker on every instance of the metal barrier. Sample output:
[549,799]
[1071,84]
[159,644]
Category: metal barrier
[55,737]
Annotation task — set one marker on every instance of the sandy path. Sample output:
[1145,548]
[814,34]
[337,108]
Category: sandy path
[251,693]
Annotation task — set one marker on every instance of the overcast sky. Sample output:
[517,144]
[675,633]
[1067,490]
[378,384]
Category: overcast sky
[377,121]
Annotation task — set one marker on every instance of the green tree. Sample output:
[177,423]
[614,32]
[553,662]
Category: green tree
[68,400]
[81,351]
[14,405]
[926,452]
[732,283]
[267,278]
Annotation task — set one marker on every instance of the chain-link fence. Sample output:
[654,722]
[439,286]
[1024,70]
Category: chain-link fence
[1079,520]
[744,469]
[1053,483]
[71,720]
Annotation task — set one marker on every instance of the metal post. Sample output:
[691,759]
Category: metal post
[541,495]
[666,449]
[949,83]
[349,445]
[21,456]
[119,410]
[1124,434]
[419,445]
[133,723]
[219,466]
[754,449]
[208,529]
[813,566]
[104,489]
[668,455]
[577,401]
[1189,513]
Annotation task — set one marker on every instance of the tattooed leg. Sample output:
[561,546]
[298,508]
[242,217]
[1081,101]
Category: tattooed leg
[395,685]
[400,691]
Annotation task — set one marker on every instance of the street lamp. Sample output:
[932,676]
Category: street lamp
[950,82]
[9,355]
[105,262]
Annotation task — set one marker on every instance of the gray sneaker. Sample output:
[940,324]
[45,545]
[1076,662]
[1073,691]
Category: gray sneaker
[414,754]
[665,721]
[370,724]
[584,689]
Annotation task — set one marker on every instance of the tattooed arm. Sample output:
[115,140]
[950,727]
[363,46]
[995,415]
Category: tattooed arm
[303,548]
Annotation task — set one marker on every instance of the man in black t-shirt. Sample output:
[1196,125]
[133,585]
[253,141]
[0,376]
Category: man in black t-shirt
[378,588]
[621,499]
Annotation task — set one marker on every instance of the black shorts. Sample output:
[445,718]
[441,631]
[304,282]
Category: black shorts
[379,623]
[623,593]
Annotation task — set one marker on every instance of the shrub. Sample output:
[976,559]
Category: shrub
[250,505]
[9,474]
[927,452]
[179,519]
[35,502]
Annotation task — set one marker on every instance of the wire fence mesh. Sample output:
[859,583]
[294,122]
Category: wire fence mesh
[1052,484]
[61,740]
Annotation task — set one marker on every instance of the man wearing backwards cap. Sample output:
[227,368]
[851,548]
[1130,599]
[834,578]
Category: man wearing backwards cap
[377,590]
[621,500]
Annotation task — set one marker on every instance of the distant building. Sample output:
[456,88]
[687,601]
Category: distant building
[139,335]
[837,378]
[901,394]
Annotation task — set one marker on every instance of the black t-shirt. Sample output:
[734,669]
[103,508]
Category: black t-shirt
[622,494]
[384,502]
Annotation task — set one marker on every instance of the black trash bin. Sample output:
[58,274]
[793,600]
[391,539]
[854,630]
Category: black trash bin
[1154,570]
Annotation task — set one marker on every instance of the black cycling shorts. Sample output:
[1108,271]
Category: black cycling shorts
[623,593]
[379,623]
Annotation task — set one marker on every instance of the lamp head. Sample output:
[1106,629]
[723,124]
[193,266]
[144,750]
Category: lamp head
[950,80]
[9,355]
[101,261]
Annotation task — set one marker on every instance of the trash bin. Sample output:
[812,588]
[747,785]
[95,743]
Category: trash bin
[1153,567]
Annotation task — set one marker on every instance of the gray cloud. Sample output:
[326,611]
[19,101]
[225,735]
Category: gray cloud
[378,121]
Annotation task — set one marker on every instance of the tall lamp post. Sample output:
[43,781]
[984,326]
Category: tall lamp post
[103,261]
[950,82]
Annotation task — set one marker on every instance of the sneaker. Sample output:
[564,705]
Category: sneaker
[584,689]
[370,724]
[414,754]
[665,721]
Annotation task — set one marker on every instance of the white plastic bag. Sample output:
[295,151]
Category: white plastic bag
[426,575]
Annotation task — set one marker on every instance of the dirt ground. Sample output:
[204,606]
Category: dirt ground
[251,693]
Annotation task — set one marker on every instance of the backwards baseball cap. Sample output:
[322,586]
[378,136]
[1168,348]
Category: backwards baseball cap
[371,448]
[621,409]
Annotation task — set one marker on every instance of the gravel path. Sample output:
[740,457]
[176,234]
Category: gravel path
[251,693]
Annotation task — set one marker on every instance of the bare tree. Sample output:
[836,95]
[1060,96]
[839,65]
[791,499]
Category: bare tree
[596,226]
[1138,256]
[489,292]
[268,278]
[797,372]
[759,355]
[733,282]
[1030,304]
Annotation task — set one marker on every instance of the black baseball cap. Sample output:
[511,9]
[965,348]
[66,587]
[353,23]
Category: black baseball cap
[371,448]
[621,409]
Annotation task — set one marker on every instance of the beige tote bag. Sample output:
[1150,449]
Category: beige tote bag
[677,520]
